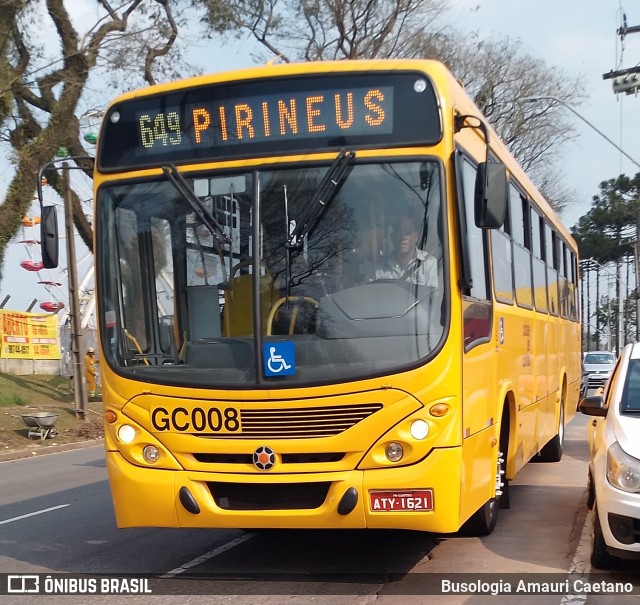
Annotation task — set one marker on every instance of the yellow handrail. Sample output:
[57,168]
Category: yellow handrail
[296,300]
[133,339]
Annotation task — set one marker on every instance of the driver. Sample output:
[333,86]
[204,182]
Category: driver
[408,262]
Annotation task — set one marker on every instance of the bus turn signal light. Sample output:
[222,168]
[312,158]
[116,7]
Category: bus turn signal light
[439,409]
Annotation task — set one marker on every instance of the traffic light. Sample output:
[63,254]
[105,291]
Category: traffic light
[628,84]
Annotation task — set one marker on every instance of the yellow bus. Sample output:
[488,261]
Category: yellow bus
[328,297]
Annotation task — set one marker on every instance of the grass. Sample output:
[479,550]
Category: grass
[34,393]
[12,399]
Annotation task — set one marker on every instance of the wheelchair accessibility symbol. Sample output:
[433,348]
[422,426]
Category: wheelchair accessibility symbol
[279,358]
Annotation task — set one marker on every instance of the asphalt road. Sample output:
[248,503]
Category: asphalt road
[56,516]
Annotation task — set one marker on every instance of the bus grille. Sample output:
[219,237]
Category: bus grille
[299,423]
[271,496]
[312,458]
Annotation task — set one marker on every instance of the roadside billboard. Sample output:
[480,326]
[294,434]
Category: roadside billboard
[29,335]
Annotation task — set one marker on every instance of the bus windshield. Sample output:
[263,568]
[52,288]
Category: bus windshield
[355,291]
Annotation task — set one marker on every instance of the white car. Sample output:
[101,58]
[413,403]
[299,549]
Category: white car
[614,465]
[597,365]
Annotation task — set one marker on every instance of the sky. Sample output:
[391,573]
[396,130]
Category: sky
[579,39]
[576,37]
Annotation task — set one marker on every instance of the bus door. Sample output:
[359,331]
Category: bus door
[478,350]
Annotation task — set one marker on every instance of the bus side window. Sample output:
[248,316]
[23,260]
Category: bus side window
[477,306]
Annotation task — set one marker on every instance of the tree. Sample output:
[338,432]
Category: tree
[498,76]
[495,73]
[41,90]
[321,30]
[607,232]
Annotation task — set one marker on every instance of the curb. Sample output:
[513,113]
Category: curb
[42,450]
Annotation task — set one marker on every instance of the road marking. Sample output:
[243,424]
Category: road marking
[212,553]
[38,512]
[581,565]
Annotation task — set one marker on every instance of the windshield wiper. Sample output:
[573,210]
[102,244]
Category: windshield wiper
[201,211]
[322,198]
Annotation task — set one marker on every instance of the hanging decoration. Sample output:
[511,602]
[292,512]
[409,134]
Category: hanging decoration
[52,306]
[30,221]
[32,265]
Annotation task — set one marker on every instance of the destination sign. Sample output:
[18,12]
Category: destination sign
[274,116]
[270,117]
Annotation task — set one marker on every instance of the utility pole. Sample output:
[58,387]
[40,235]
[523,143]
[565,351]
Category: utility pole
[636,255]
[625,80]
[597,306]
[628,81]
[80,391]
[620,338]
[588,347]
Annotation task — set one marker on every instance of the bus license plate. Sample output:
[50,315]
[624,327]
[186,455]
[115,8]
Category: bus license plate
[410,500]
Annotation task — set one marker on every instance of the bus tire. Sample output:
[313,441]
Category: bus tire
[505,502]
[484,520]
[552,451]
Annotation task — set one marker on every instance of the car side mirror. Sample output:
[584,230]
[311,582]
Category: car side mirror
[593,406]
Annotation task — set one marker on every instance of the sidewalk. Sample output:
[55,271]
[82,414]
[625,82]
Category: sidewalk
[40,448]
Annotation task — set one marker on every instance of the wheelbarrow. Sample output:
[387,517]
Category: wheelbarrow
[41,425]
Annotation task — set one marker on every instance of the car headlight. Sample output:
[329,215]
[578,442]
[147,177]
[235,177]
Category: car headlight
[623,471]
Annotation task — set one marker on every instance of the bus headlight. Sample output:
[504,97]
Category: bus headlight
[419,429]
[394,451]
[150,454]
[126,433]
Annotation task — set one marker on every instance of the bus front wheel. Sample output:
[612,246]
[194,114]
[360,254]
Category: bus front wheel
[484,520]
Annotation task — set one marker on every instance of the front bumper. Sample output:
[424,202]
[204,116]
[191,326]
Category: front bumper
[596,381]
[619,514]
[151,497]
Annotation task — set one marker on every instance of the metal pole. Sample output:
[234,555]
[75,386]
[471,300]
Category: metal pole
[597,308]
[77,349]
[533,99]
[620,338]
[588,347]
[582,334]
[636,253]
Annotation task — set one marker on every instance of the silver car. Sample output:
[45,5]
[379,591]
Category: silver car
[598,365]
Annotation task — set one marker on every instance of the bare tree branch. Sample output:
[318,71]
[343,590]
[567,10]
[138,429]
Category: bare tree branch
[39,96]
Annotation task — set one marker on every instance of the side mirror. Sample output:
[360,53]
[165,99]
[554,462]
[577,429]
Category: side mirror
[49,237]
[490,204]
[593,406]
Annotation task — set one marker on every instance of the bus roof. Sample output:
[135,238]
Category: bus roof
[446,84]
